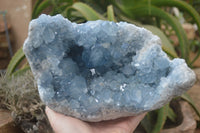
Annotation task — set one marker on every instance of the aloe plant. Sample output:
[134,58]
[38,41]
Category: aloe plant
[154,10]
[15,61]
[131,11]
[185,7]
[144,11]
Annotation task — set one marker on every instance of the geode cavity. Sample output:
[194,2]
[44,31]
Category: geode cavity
[102,70]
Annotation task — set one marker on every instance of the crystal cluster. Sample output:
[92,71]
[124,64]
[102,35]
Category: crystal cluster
[101,70]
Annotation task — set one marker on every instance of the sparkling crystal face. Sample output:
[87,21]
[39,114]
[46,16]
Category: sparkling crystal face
[102,70]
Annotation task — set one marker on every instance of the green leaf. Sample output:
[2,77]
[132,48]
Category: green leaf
[166,45]
[170,114]
[16,59]
[61,9]
[87,11]
[187,98]
[162,116]
[110,13]
[65,1]
[149,4]
[67,12]
[59,6]
[195,58]
[147,122]
[35,7]
[21,71]
[131,3]
[124,18]
[142,10]
[155,120]
[184,7]
[43,5]
[127,3]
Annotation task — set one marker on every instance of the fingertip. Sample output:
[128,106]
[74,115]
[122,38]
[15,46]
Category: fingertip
[47,109]
[50,114]
[140,117]
[134,121]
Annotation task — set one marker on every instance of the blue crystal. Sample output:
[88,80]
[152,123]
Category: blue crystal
[102,70]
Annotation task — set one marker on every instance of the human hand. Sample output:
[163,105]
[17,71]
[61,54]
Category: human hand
[65,124]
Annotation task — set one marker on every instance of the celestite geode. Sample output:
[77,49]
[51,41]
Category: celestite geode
[102,70]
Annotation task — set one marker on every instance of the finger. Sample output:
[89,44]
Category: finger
[61,123]
[54,120]
[134,121]
[65,124]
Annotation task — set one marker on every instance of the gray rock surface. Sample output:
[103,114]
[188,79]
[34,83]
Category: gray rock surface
[102,70]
